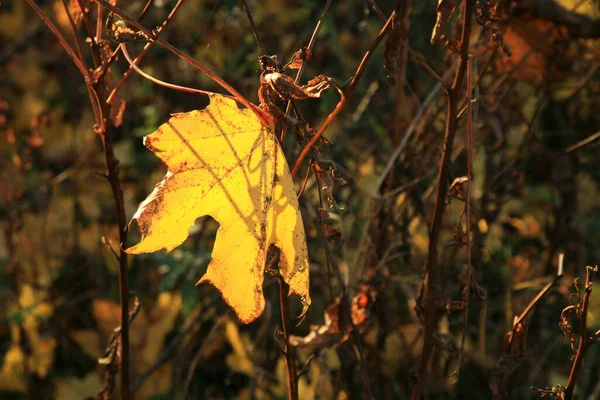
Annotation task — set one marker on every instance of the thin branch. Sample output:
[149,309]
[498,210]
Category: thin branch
[253,26]
[262,115]
[163,83]
[534,301]
[377,10]
[582,143]
[145,50]
[344,99]
[73,30]
[104,128]
[78,62]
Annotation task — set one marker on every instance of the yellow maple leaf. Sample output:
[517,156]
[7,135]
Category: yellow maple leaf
[224,163]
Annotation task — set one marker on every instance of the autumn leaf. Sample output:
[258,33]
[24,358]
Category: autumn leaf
[224,163]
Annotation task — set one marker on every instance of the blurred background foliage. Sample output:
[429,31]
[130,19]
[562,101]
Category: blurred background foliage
[531,199]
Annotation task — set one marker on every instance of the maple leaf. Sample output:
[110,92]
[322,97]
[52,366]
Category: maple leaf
[224,163]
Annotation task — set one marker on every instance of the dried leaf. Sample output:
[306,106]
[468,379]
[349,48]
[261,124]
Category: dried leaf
[445,9]
[456,188]
[223,163]
[335,330]
[288,89]
[299,58]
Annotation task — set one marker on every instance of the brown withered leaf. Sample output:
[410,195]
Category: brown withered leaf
[299,58]
[332,233]
[335,330]
[459,238]
[445,9]
[287,89]
[565,325]
[456,189]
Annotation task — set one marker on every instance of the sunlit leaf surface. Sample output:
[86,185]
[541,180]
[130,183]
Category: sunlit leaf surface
[222,162]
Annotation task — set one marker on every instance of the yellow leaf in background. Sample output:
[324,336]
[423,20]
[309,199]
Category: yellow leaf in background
[76,389]
[222,162]
[12,373]
[147,335]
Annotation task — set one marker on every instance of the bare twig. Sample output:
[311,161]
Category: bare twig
[583,142]
[253,26]
[311,44]
[78,63]
[534,301]
[73,30]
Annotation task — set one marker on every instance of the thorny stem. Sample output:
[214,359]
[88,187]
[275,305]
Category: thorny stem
[584,340]
[467,292]
[112,164]
[431,267]
[290,356]
[344,99]
[102,112]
